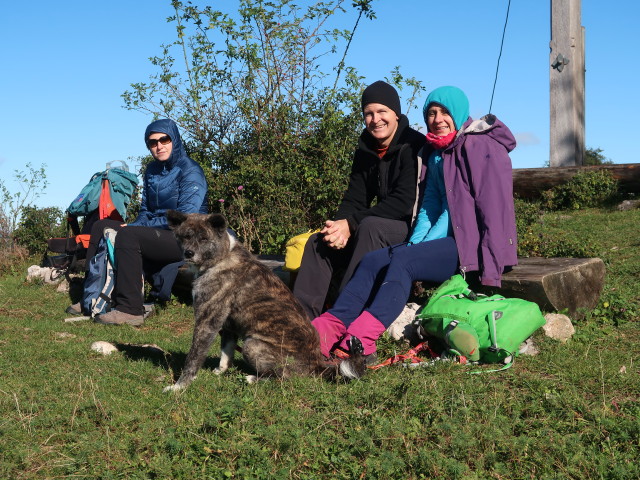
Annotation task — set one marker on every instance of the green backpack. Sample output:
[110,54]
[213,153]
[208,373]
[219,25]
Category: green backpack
[480,328]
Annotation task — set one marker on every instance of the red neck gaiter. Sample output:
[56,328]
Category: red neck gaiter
[441,142]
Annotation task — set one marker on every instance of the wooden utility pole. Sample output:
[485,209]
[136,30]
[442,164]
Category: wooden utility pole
[566,85]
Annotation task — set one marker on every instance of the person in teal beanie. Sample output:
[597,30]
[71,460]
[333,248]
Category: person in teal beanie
[466,223]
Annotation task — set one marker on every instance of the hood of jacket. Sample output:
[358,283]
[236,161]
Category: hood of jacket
[494,128]
[170,128]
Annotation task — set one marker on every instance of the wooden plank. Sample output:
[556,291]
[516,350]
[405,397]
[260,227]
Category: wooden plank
[573,285]
[187,273]
[531,182]
[556,284]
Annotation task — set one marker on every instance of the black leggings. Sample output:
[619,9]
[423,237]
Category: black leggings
[133,246]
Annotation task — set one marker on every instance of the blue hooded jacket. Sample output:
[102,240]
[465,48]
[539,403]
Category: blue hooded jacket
[175,184]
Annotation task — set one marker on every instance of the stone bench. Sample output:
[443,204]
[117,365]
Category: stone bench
[573,285]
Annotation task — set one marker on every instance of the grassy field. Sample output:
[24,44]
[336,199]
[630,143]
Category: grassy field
[571,412]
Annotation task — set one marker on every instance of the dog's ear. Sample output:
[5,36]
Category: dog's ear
[218,222]
[175,218]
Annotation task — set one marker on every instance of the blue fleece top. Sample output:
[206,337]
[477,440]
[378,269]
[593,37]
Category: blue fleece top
[175,184]
[433,220]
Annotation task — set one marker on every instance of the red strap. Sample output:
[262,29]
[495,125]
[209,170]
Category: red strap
[412,356]
[83,239]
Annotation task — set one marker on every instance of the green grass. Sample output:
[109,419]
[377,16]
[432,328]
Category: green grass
[572,412]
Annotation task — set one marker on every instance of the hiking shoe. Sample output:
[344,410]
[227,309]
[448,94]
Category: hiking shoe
[75,309]
[115,317]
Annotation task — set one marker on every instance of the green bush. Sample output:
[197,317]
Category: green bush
[37,225]
[276,184]
[589,188]
[534,239]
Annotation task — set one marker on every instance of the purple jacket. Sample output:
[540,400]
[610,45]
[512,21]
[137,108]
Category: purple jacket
[479,186]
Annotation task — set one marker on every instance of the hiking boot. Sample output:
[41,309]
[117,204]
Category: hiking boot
[75,309]
[115,317]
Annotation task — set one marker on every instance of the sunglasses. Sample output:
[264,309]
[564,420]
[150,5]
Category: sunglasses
[153,143]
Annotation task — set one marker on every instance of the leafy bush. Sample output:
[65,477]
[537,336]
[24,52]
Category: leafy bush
[277,185]
[37,225]
[589,188]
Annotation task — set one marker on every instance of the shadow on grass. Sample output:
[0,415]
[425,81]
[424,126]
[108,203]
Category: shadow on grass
[170,360]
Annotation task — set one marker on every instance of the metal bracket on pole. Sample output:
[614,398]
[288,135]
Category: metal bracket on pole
[560,62]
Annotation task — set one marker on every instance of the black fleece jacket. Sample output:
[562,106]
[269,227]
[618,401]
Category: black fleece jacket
[391,180]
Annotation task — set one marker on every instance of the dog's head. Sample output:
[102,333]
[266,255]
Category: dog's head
[204,238]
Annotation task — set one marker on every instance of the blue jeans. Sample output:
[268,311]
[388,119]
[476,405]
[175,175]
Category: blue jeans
[382,282]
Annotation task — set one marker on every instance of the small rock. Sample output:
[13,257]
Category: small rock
[33,272]
[104,348]
[629,205]
[558,327]
[528,348]
[401,327]
[48,274]
[64,335]
[76,319]
[63,286]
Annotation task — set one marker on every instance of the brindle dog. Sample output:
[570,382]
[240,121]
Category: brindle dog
[238,296]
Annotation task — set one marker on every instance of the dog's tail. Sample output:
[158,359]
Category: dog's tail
[350,368]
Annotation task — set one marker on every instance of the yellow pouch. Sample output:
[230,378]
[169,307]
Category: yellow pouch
[294,251]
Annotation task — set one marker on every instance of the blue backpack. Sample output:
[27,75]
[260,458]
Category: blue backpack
[100,278]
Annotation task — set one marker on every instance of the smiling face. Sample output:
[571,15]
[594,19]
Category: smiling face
[160,151]
[381,122]
[439,121]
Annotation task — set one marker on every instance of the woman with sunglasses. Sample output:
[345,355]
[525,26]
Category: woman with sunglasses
[172,181]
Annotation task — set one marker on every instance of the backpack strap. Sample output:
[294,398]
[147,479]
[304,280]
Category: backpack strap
[491,321]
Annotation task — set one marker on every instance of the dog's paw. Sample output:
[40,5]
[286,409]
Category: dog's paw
[219,371]
[176,387]
[251,379]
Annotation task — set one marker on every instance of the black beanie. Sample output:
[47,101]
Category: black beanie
[381,92]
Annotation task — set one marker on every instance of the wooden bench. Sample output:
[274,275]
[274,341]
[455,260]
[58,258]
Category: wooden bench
[555,284]
[186,273]
[573,285]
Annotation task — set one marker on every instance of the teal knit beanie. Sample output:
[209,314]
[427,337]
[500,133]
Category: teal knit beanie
[451,98]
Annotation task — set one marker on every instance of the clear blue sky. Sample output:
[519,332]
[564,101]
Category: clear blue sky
[65,65]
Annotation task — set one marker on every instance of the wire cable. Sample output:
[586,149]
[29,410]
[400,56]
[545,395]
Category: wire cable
[504,31]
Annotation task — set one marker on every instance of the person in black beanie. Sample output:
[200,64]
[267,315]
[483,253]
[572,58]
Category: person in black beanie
[386,169]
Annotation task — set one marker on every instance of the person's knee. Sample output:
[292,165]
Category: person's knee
[383,231]
[127,238]
[368,225]
[376,259]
